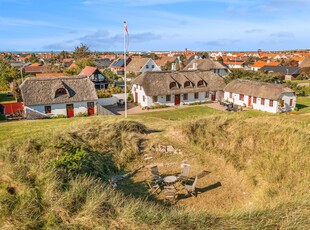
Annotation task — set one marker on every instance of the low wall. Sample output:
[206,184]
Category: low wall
[111,100]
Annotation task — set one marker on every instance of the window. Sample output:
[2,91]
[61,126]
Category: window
[282,103]
[155,99]
[187,84]
[254,100]
[241,97]
[48,109]
[230,95]
[153,66]
[143,98]
[291,102]
[200,83]
[207,94]
[172,85]
[262,102]
[147,66]
[196,95]
[168,98]
[270,103]
[185,96]
[60,92]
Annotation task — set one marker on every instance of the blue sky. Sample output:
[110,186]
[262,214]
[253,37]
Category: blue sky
[235,25]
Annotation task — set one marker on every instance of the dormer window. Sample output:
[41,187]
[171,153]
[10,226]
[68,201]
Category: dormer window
[187,84]
[200,83]
[60,92]
[173,85]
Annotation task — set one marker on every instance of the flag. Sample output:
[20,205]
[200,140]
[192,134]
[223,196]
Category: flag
[125,27]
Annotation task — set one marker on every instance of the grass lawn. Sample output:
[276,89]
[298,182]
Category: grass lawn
[6,99]
[301,81]
[303,104]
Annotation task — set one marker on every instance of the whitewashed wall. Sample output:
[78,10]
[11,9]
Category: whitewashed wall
[258,106]
[162,99]
[150,62]
[60,109]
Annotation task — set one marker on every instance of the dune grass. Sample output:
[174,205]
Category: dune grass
[53,173]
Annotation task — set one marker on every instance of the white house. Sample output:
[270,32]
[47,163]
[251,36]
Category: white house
[51,96]
[175,88]
[208,64]
[262,96]
[141,65]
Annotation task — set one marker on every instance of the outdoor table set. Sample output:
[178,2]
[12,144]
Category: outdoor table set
[168,183]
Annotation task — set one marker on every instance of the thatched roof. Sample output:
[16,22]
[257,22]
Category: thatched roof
[257,89]
[205,64]
[158,82]
[42,91]
[136,64]
[305,63]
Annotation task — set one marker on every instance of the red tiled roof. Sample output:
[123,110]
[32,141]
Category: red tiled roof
[88,70]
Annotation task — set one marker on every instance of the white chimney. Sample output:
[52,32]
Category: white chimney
[173,67]
[194,66]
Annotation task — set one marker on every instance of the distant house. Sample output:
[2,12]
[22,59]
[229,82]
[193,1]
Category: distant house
[35,69]
[262,96]
[286,72]
[141,65]
[165,59]
[66,62]
[175,88]
[260,64]
[50,96]
[103,63]
[95,75]
[234,63]
[208,64]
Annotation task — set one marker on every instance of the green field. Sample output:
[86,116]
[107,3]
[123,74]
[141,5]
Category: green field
[53,172]
[303,104]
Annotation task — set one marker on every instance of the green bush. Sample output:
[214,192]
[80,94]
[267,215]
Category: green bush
[158,106]
[80,114]
[2,117]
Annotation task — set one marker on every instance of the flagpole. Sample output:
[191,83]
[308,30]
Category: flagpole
[125,70]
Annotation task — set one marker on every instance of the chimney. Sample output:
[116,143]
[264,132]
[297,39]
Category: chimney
[173,67]
[194,66]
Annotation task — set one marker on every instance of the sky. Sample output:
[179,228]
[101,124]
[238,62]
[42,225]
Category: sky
[155,25]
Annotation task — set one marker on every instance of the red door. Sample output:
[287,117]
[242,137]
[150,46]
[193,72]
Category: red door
[136,97]
[213,96]
[177,99]
[91,108]
[70,110]
[250,101]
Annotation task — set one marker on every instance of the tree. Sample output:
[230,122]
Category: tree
[110,75]
[220,59]
[81,51]
[252,75]
[33,58]
[16,90]
[80,65]
[63,54]
[7,74]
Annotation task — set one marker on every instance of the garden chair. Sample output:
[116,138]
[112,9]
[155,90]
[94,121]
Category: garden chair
[170,194]
[185,172]
[191,189]
[155,174]
[153,187]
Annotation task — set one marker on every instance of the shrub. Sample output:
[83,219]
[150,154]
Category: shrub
[2,117]
[158,106]
[80,114]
